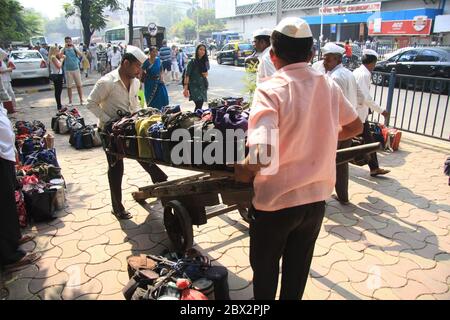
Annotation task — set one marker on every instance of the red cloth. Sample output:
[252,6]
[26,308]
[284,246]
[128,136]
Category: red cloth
[348,51]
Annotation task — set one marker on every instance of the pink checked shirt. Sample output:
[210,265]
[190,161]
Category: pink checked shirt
[308,109]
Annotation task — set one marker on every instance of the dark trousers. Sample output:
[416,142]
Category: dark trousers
[342,174]
[58,83]
[289,233]
[198,105]
[115,175]
[368,138]
[9,221]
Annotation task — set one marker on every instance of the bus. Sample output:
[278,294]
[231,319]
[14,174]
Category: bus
[141,36]
[34,41]
[224,37]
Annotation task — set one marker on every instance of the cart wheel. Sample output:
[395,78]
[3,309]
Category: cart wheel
[244,214]
[178,225]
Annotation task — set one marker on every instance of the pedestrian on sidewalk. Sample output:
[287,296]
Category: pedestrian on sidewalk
[11,255]
[85,64]
[118,90]
[6,68]
[156,95]
[363,76]
[102,58]
[116,58]
[261,41]
[196,78]
[72,69]
[175,68]
[56,60]
[165,54]
[332,63]
[299,106]
[93,52]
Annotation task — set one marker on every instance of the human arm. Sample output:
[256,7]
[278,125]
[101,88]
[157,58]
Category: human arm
[364,96]
[186,92]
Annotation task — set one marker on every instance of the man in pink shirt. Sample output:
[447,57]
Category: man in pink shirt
[296,120]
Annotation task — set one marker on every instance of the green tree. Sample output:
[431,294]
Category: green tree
[185,29]
[91,14]
[16,23]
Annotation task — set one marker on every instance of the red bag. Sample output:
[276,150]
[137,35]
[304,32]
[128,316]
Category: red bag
[394,137]
[21,210]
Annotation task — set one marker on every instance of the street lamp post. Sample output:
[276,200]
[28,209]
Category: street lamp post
[321,31]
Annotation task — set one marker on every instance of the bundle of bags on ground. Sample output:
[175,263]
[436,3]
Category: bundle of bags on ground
[147,134]
[38,173]
[82,136]
[172,276]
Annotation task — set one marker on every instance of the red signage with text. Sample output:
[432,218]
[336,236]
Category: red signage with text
[401,27]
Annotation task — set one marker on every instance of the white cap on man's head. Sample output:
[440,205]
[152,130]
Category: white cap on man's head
[294,28]
[137,53]
[370,52]
[331,47]
[262,32]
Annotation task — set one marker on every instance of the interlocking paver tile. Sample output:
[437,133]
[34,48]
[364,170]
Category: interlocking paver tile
[425,277]
[364,265]
[143,242]
[426,297]
[58,240]
[77,274]
[320,250]
[423,257]
[116,236]
[411,291]
[77,225]
[37,285]
[348,252]
[347,233]
[346,268]
[113,250]
[18,289]
[385,294]
[83,257]
[110,283]
[89,233]
[379,252]
[115,296]
[402,267]
[113,264]
[83,245]
[98,254]
[409,241]
[70,249]
[51,293]
[92,287]
[435,228]
[47,267]
[312,292]
[88,296]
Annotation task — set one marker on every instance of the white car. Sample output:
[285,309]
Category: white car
[29,65]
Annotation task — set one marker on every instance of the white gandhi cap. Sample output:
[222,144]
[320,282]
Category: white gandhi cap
[331,47]
[294,28]
[262,32]
[370,52]
[137,53]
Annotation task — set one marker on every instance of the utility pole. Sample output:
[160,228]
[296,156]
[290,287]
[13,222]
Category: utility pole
[321,31]
[280,10]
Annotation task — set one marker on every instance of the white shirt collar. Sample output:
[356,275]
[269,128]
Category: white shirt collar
[339,66]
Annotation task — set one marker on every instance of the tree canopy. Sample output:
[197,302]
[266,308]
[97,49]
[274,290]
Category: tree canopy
[17,23]
[91,14]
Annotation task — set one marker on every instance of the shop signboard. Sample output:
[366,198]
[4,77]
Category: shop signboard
[442,23]
[352,8]
[420,25]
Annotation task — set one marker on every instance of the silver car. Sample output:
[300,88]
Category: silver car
[29,65]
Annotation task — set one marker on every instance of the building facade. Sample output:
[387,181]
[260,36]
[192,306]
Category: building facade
[401,21]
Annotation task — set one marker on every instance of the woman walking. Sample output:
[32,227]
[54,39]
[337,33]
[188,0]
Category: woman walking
[156,95]
[56,60]
[196,77]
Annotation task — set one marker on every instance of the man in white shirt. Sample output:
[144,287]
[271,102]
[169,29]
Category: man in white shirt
[261,40]
[332,63]
[363,76]
[118,90]
[116,58]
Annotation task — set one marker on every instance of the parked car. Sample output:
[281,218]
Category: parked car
[234,53]
[30,64]
[189,50]
[433,62]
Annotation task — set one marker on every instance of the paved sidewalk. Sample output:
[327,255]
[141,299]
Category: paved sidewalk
[392,242]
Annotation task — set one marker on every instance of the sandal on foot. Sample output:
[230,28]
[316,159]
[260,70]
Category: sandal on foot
[26,260]
[124,215]
[379,171]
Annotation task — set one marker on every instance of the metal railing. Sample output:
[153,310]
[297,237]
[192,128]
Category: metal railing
[415,104]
